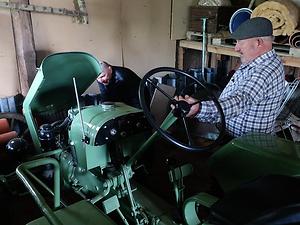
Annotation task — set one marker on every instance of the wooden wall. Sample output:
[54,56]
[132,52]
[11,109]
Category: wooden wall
[133,33]
[9,81]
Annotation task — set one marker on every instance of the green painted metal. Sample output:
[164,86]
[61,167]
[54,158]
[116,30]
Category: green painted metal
[142,148]
[52,90]
[169,120]
[94,118]
[176,176]
[76,176]
[79,213]
[21,172]
[91,157]
[190,211]
[243,159]
[254,155]
[53,153]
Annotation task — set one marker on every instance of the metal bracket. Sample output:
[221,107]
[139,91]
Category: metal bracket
[176,176]
[79,14]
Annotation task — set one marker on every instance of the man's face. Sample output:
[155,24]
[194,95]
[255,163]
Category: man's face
[248,49]
[105,76]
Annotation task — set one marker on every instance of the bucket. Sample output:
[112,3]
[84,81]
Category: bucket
[238,17]
[196,72]
[209,74]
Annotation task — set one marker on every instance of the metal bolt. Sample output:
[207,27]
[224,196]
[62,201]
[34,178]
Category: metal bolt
[113,131]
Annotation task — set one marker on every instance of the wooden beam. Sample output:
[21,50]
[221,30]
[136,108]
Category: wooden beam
[290,60]
[80,14]
[210,48]
[180,56]
[24,46]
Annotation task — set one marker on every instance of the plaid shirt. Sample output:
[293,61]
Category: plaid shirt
[251,99]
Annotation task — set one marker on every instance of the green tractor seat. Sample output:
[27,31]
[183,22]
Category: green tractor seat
[79,213]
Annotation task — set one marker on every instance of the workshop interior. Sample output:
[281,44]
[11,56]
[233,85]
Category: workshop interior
[67,158]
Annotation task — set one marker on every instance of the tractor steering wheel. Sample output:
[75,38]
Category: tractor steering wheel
[181,108]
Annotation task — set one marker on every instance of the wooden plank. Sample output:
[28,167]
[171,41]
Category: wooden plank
[229,50]
[180,18]
[24,45]
[290,60]
[223,50]
[190,44]
[214,60]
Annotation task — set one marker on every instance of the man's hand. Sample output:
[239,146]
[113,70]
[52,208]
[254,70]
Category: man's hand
[190,100]
[105,76]
[100,76]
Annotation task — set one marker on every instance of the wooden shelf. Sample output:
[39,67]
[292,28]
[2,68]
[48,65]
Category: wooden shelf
[287,59]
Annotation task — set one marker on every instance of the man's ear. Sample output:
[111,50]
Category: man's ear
[260,41]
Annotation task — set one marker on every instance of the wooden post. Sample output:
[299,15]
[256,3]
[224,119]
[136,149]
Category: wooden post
[180,56]
[24,46]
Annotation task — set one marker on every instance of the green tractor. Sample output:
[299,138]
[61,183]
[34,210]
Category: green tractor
[96,151]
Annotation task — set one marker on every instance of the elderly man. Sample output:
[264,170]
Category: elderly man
[251,99]
[118,84]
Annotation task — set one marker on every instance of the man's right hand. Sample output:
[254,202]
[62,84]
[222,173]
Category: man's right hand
[99,78]
[105,76]
[190,100]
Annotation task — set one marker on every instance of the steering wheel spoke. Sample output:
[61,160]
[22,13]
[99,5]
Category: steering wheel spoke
[160,89]
[190,140]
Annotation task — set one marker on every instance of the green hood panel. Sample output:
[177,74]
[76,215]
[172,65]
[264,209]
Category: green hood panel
[53,87]
[52,91]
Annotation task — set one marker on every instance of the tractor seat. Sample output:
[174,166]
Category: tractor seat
[79,213]
[271,199]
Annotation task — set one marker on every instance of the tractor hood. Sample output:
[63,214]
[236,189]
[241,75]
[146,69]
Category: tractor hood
[52,92]
[53,88]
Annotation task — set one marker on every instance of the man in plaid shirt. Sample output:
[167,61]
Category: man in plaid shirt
[251,99]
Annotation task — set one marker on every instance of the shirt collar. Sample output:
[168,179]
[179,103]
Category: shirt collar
[260,59]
